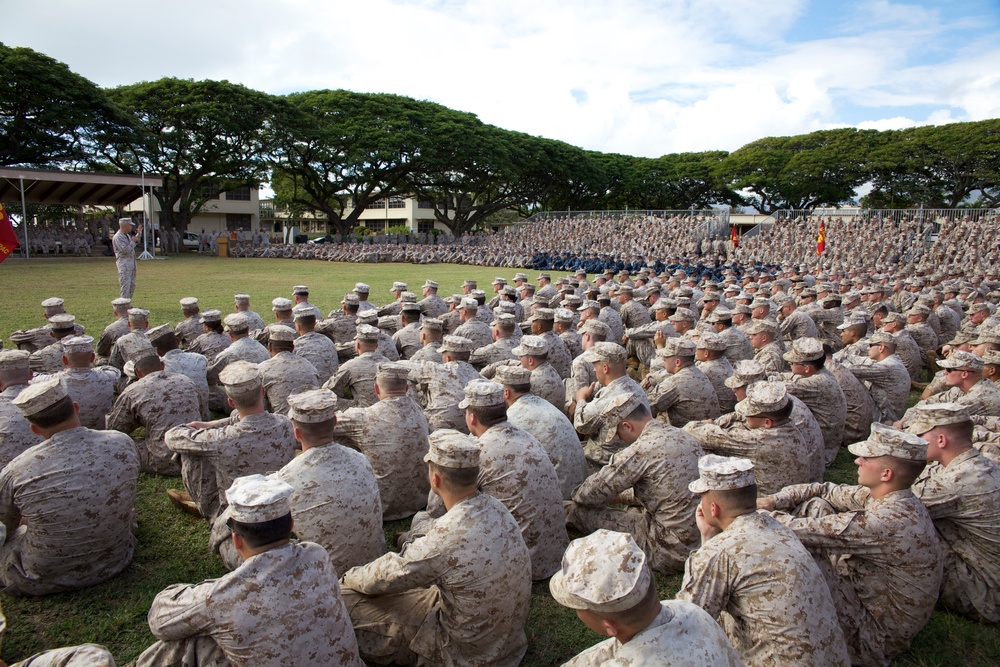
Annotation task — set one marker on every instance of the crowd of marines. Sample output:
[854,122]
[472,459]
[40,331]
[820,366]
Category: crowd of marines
[676,423]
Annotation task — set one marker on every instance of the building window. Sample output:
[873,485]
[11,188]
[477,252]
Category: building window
[425,226]
[377,204]
[239,194]
[209,190]
[238,221]
[397,202]
[375,225]
[425,203]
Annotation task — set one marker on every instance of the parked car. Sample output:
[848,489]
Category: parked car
[190,241]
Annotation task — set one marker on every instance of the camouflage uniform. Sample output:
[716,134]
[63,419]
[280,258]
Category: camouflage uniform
[604,440]
[684,396]
[280,607]
[717,370]
[75,493]
[475,330]
[15,432]
[320,352]
[888,382]
[738,345]
[660,514]
[214,456]
[84,655]
[392,433]
[189,329]
[822,394]
[357,375]
[555,432]
[558,355]
[284,374]
[48,359]
[407,340]
[983,399]
[210,344]
[191,365]
[499,350]
[158,401]
[860,404]
[459,595]
[771,357]
[110,336]
[440,388]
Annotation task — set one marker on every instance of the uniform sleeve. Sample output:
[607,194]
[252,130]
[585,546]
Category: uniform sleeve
[842,497]
[122,417]
[587,418]
[10,515]
[186,440]
[715,440]
[181,611]
[939,498]
[706,577]
[598,654]
[352,427]
[664,396]
[621,472]
[419,565]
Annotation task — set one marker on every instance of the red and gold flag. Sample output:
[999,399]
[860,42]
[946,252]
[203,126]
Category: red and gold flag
[8,239]
[735,237]
[821,239]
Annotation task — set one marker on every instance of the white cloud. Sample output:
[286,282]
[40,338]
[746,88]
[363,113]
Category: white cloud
[631,77]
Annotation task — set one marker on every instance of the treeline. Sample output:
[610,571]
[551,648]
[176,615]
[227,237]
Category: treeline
[336,151]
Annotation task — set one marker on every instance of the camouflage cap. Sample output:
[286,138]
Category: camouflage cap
[189,301]
[469,283]
[40,395]
[408,297]
[504,317]
[966,361]
[719,314]
[78,344]
[990,357]
[605,352]
[763,397]
[512,374]
[449,448]
[256,499]
[281,304]
[211,316]
[135,348]
[14,360]
[520,276]
[852,322]
[53,302]
[543,314]
[468,304]
[457,344]
[312,406]
[804,349]
[595,326]
[432,284]
[138,314]
[678,347]
[887,441]
[362,288]
[894,317]
[366,332]
[237,322]
[241,299]
[399,287]
[300,289]
[156,333]
[499,281]
[683,315]
[762,326]
[618,407]
[482,394]
[392,370]
[62,322]
[432,324]
[564,315]
[740,309]
[350,299]
[722,473]
[988,337]
[604,572]
[745,373]
[241,376]
[883,338]
[591,303]
[927,417]
[282,333]
[531,346]
[409,307]
[119,302]
[709,340]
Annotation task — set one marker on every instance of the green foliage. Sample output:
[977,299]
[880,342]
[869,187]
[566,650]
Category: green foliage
[49,116]
[398,229]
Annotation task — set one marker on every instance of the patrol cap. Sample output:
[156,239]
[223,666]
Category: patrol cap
[605,352]
[683,315]
[362,288]
[366,332]
[78,344]
[237,322]
[604,572]
[544,274]
[626,289]
[189,301]
[512,374]
[281,304]
[257,499]
[431,283]
[119,302]
[241,298]
[991,337]
[531,346]
[887,441]
[392,371]
[664,304]
[852,322]
[894,317]
[678,347]
[563,315]
[240,376]
[399,287]
[520,276]
[990,357]
[499,281]
[591,303]
[211,316]
[300,289]
[312,406]
[763,397]
[918,309]
[504,317]
[138,314]
[709,340]
[740,309]
[408,297]
[722,473]
[468,304]
[762,326]
[927,417]
[350,299]
[882,338]
[449,448]
[718,315]
[595,326]
[136,347]
[40,395]
[482,394]
[961,338]
[540,300]
[14,360]
[155,334]
[62,322]
[303,310]
[618,407]
[53,302]
[966,361]
[804,349]
[432,324]
[281,333]
[409,307]
[457,344]
[543,314]
[469,283]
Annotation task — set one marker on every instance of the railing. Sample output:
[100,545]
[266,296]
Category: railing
[715,222]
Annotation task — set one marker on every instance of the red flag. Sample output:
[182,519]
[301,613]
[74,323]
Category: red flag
[8,239]
[735,237]
[821,239]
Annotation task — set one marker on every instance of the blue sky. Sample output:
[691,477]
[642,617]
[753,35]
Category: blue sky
[631,76]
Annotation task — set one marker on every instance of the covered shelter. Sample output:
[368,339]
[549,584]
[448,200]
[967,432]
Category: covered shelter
[72,188]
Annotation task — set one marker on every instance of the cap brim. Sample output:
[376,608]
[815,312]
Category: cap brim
[698,486]
[463,404]
[557,587]
[863,448]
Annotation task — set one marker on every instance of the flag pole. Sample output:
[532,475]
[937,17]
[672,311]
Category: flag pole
[24,218]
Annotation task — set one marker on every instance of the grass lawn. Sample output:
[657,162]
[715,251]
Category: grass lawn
[173,546]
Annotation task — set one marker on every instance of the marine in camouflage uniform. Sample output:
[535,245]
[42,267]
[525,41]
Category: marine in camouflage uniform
[285,372]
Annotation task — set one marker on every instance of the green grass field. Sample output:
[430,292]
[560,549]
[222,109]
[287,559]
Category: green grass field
[173,546]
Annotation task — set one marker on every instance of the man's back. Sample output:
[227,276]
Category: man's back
[75,493]
[283,374]
[555,432]
[93,389]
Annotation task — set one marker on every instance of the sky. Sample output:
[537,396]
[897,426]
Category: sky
[642,78]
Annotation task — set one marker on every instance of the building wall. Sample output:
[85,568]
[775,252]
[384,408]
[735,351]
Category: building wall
[216,214]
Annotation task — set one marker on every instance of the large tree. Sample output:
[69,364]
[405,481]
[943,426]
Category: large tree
[49,116]
[343,150]
[678,181]
[800,172]
[202,137]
